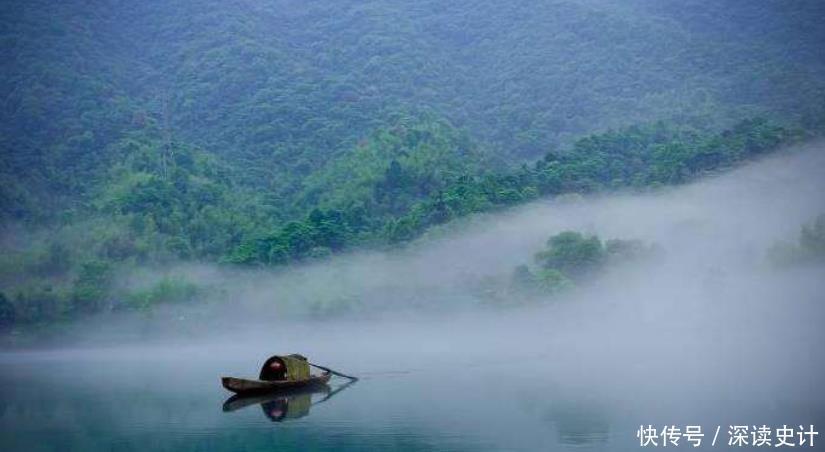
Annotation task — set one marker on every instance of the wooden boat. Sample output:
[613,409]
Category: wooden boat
[279,372]
[281,405]
[246,386]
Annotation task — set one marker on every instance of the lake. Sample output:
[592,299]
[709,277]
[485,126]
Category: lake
[462,384]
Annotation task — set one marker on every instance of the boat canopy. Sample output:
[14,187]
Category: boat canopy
[292,367]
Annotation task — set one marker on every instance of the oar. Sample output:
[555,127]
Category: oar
[334,372]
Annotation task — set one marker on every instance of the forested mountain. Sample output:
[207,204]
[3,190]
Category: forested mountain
[270,131]
[282,87]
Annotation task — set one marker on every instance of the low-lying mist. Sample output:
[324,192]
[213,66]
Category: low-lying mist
[706,330]
[709,297]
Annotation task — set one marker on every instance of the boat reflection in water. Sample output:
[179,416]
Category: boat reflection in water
[285,404]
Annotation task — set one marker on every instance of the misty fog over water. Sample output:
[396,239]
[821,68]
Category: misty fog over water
[708,332]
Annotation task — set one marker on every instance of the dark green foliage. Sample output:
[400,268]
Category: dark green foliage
[190,209]
[39,304]
[657,154]
[545,281]
[54,261]
[91,286]
[572,253]
[521,78]
[571,258]
[637,157]
[265,133]
[320,234]
[167,290]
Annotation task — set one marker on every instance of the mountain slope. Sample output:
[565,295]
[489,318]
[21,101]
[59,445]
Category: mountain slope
[270,132]
[281,88]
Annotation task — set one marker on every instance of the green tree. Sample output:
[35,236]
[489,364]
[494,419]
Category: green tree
[572,253]
[91,286]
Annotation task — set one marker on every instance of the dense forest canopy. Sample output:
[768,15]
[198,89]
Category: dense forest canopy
[269,132]
[281,88]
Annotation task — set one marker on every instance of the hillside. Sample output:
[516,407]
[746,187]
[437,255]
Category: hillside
[271,132]
[282,88]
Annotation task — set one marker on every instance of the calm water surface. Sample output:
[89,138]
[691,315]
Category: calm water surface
[439,396]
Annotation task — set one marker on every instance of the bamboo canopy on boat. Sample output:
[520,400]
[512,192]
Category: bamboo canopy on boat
[282,372]
[292,367]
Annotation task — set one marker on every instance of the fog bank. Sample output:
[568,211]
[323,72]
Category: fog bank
[711,292]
